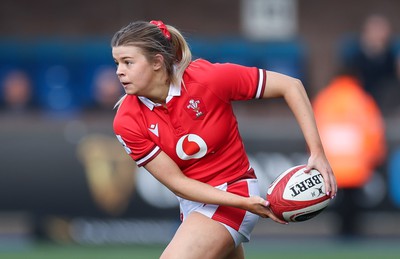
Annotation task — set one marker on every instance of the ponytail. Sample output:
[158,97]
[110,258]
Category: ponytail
[182,53]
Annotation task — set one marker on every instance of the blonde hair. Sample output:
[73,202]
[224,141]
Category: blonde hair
[152,41]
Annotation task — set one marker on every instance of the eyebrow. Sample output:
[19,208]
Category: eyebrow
[123,58]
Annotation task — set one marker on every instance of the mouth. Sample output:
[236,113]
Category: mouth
[125,84]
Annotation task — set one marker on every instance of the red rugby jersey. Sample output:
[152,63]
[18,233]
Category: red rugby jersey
[197,128]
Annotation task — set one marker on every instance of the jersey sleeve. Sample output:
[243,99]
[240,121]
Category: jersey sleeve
[136,144]
[236,82]
[140,155]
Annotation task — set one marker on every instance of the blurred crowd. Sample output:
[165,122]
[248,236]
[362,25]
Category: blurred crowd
[18,93]
[49,78]
[60,78]
[351,112]
[373,57]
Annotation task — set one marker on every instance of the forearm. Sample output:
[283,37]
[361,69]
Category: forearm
[197,191]
[298,101]
[168,173]
[292,90]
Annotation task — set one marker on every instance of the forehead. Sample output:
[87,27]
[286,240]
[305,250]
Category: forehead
[126,51]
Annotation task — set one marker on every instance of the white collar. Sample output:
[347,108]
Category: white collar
[174,90]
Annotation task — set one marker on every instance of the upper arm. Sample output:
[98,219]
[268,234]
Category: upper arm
[277,84]
[235,82]
[131,130]
[166,171]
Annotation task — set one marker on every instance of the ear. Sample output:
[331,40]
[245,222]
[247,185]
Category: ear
[158,62]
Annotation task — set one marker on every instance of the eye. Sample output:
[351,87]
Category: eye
[128,62]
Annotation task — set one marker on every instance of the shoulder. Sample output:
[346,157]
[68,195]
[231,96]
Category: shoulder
[202,65]
[128,113]
[198,68]
[203,71]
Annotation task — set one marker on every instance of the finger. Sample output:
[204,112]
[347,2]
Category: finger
[276,219]
[307,169]
[263,202]
[334,186]
[270,214]
[330,183]
[328,187]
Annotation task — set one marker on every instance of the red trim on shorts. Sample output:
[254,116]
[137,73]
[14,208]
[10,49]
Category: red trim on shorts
[250,174]
[231,216]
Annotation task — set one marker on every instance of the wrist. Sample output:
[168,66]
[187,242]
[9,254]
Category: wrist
[243,203]
[317,151]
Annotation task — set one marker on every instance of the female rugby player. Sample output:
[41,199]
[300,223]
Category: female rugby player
[177,121]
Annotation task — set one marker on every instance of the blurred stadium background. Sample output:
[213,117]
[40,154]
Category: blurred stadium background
[68,189]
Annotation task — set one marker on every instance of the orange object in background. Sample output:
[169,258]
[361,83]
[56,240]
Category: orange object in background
[352,130]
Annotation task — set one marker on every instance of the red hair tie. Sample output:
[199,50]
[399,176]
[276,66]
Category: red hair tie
[163,28]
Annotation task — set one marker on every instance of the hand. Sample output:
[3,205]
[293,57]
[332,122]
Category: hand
[320,163]
[259,206]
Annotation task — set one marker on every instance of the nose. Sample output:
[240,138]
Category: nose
[119,71]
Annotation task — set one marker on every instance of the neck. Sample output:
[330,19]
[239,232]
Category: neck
[160,93]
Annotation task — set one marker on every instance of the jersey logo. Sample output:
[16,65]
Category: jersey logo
[196,108]
[191,146]
[154,129]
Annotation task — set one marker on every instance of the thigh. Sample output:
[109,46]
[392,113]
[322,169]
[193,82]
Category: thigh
[237,221]
[237,253]
[200,237]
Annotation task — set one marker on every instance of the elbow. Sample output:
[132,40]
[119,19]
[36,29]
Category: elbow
[297,83]
[295,90]
[178,191]
[297,86]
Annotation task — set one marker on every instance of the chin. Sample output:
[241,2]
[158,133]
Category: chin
[131,92]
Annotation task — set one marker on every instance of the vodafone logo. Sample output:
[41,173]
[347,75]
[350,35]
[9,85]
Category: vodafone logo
[191,146]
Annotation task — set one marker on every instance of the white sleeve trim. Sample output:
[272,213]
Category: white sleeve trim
[148,156]
[260,83]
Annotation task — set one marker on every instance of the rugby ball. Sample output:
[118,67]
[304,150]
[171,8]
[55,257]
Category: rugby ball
[296,196]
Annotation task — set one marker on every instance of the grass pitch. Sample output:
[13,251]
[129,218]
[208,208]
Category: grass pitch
[257,249]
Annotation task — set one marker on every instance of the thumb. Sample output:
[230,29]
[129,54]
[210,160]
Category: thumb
[307,169]
[263,202]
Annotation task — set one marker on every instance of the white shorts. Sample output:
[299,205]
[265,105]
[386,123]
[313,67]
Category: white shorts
[238,222]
